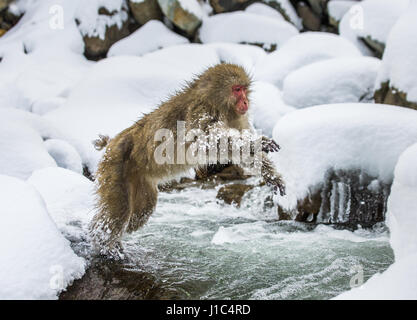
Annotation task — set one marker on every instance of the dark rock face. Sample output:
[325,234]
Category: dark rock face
[311,21]
[390,95]
[376,46]
[113,280]
[145,11]
[346,198]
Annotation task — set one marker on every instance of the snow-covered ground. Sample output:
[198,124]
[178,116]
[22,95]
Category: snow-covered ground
[54,102]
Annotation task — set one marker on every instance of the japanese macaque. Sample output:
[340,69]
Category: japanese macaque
[129,172]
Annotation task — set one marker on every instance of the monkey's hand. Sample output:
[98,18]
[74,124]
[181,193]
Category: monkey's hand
[269,145]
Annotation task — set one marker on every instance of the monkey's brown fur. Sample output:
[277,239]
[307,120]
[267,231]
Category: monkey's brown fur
[128,174]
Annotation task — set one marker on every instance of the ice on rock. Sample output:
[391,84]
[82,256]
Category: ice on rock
[399,281]
[37,262]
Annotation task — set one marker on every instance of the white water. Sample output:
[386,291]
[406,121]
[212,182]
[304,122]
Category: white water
[200,248]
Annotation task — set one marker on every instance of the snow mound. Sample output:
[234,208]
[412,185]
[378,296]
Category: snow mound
[244,27]
[337,9]
[367,137]
[64,155]
[21,142]
[264,10]
[302,50]
[267,106]
[399,64]
[36,260]
[44,106]
[69,198]
[373,19]
[150,37]
[332,81]
[399,281]
[288,9]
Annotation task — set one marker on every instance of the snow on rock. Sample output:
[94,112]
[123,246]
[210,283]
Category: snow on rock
[267,106]
[43,106]
[366,137]
[150,37]
[332,81]
[399,281]
[21,142]
[399,64]
[301,50]
[244,27]
[264,10]
[64,155]
[337,9]
[371,20]
[69,198]
[37,262]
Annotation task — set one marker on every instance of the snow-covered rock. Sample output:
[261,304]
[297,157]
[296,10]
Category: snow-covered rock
[337,9]
[399,281]
[370,22]
[244,27]
[150,37]
[302,50]
[287,10]
[267,106]
[332,81]
[69,198]
[349,136]
[64,155]
[37,262]
[397,80]
[264,10]
[21,142]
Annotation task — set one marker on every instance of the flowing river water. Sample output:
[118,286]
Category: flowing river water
[203,249]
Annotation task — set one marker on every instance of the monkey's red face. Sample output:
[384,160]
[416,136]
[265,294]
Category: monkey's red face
[240,94]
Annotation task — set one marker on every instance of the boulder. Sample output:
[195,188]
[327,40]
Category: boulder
[186,18]
[311,21]
[233,193]
[145,10]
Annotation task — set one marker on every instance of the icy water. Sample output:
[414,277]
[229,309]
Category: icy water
[202,249]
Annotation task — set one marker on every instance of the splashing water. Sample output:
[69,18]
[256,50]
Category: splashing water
[203,249]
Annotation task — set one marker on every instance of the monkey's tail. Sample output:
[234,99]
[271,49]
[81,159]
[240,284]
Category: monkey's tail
[101,142]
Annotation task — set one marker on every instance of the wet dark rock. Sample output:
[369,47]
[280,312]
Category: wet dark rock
[233,193]
[346,198]
[112,280]
[390,95]
[145,11]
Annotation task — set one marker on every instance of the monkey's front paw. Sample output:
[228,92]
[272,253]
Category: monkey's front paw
[269,145]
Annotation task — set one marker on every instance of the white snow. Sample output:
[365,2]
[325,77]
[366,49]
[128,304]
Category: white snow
[36,260]
[367,137]
[301,50]
[244,27]
[69,198]
[264,10]
[332,81]
[371,18]
[399,64]
[21,143]
[64,155]
[289,10]
[150,37]
[337,9]
[267,106]
[399,281]
[192,6]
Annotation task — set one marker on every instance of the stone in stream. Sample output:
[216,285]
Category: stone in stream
[233,193]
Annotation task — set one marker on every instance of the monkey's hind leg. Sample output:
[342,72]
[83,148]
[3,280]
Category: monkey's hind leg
[142,202]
